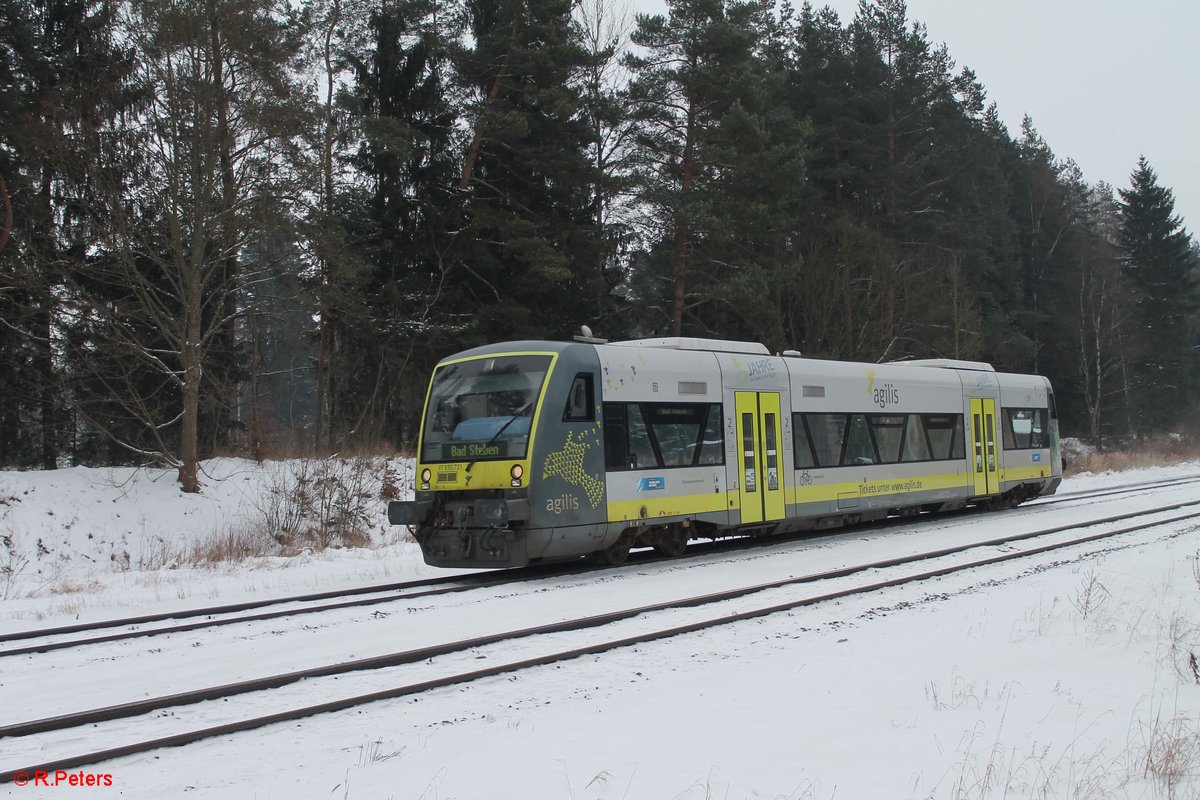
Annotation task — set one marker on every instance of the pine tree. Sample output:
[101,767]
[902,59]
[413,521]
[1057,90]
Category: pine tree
[721,166]
[1099,321]
[63,78]
[1160,264]
[907,196]
[525,258]
[605,110]
[385,298]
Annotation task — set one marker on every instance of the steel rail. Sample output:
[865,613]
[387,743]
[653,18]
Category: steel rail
[230,608]
[447,583]
[47,647]
[1124,488]
[466,582]
[140,707]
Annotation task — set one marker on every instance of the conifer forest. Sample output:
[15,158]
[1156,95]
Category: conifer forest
[251,227]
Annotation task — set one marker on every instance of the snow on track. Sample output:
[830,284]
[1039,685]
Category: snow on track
[949,690]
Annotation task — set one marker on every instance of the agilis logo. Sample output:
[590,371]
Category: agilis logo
[885,395]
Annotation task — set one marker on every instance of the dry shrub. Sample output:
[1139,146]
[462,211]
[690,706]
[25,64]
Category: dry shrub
[1171,753]
[1080,771]
[321,503]
[233,544]
[12,564]
[1155,453]
[1179,642]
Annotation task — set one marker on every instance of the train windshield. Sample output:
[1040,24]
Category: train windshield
[482,408]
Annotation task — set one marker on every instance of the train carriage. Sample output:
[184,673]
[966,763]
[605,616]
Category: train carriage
[541,451]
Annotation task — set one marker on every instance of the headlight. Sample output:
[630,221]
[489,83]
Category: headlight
[516,472]
[426,474]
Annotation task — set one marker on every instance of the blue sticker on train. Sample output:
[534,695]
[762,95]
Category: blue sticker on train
[1035,456]
[651,484]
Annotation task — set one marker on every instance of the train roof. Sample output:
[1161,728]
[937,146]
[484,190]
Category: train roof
[697,344]
[945,363]
[693,343]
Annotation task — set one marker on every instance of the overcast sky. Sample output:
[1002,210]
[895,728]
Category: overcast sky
[1103,80]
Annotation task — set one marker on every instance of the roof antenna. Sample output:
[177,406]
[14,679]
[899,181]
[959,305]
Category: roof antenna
[585,336]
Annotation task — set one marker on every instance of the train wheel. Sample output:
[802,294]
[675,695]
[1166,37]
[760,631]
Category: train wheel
[614,556]
[672,544]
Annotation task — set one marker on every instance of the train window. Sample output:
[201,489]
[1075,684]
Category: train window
[916,445]
[1006,431]
[1039,435]
[958,447]
[802,447]
[860,449]
[581,406]
[678,430]
[748,452]
[686,433]
[829,440]
[651,435]
[1025,428]
[712,447]
[482,408]
[826,431]
[616,437]
[641,449]
[772,451]
[945,435]
[888,431]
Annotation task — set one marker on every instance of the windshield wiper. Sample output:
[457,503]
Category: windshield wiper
[520,413]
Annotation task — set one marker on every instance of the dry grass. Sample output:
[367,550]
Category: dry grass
[275,446]
[1153,454]
[232,544]
[1169,754]
[12,564]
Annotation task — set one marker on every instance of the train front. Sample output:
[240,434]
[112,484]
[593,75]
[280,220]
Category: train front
[474,456]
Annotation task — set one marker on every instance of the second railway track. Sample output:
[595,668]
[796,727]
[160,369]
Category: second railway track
[626,627]
[21,642]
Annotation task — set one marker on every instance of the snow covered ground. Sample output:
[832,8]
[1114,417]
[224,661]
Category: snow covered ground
[83,544]
[1072,676]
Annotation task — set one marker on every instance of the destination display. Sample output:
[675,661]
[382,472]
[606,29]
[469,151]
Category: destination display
[456,451]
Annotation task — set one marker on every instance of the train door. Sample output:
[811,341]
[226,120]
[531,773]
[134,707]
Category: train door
[983,440]
[760,456]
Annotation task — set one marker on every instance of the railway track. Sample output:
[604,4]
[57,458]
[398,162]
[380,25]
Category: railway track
[555,643]
[77,635]
[58,638]
[1124,488]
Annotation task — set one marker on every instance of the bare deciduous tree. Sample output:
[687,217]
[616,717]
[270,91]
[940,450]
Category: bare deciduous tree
[202,176]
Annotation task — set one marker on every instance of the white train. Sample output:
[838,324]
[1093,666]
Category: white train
[537,451]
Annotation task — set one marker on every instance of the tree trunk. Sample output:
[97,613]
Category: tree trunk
[6,227]
[682,231]
[191,363]
[43,366]
[227,412]
[477,141]
[188,451]
[327,206]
